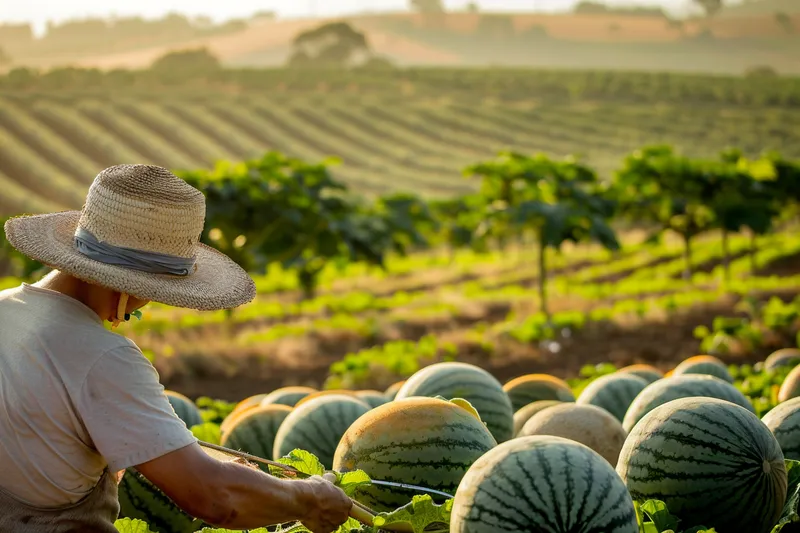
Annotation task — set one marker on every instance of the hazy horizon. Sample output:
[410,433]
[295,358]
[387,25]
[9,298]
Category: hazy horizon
[38,12]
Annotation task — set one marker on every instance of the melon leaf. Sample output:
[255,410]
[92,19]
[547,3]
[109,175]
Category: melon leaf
[350,481]
[658,514]
[791,509]
[305,462]
[421,514]
[127,525]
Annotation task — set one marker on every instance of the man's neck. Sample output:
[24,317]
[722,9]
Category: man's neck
[74,288]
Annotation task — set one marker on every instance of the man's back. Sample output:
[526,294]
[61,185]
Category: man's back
[73,397]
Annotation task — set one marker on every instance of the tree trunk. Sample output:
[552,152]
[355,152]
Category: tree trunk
[543,278]
[726,258]
[687,256]
[753,251]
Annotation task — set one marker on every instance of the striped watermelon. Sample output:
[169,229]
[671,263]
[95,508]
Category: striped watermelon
[474,384]
[590,425]
[319,394]
[542,484]
[613,392]
[704,364]
[251,402]
[184,408]
[711,461]
[675,387]
[791,385]
[318,425]
[782,357]
[140,499]
[421,441]
[784,422]
[524,414]
[254,432]
[286,396]
[372,397]
[534,387]
[647,372]
[391,392]
[393,389]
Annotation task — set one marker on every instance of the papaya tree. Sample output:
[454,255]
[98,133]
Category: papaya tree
[283,210]
[656,185]
[457,221]
[558,201]
[742,194]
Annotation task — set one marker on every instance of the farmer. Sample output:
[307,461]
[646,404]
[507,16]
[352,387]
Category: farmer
[79,403]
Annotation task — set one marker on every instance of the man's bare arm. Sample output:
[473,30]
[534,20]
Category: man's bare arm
[235,496]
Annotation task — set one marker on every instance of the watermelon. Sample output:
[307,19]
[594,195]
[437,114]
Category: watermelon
[675,387]
[139,499]
[613,392]
[704,364]
[318,425]
[286,396]
[711,461]
[391,392]
[590,425]
[372,397]
[435,445]
[534,387]
[319,394]
[782,357]
[542,484]
[791,385]
[784,422]
[474,384]
[251,402]
[524,414]
[254,432]
[647,372]
[184,408]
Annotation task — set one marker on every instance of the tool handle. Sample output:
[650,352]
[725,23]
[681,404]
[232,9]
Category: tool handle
[361,514]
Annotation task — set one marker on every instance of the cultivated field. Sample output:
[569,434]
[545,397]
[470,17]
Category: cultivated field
[53,145]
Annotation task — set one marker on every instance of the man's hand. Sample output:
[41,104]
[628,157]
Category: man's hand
[234,496]
[329,507]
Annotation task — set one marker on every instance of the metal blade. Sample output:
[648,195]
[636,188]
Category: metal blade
[412,487]
[254,458]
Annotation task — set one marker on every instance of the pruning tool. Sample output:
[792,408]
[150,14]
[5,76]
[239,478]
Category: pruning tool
[359,511]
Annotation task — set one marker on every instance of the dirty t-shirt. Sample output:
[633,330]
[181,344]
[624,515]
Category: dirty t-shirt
[74,398]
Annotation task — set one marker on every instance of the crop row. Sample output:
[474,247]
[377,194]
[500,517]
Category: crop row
[384,145]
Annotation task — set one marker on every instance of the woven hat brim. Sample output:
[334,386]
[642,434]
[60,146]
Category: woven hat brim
[217,283]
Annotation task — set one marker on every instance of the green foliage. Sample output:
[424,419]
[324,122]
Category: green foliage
[127,525]
[559,201]
[333,44]
[207,432]
[392,361]
[421,514]
[183,64]
[282,210]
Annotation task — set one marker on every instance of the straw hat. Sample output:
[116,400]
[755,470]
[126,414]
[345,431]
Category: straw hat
[138,208]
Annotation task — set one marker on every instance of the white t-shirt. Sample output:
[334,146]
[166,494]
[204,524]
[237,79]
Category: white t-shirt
[74,397]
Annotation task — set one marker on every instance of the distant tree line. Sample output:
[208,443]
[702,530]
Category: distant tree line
[200,71]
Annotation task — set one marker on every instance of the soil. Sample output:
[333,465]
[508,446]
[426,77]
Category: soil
[212,364]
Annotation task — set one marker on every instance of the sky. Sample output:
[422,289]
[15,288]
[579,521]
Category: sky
[39,11]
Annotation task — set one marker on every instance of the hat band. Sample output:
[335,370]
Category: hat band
[152,262]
